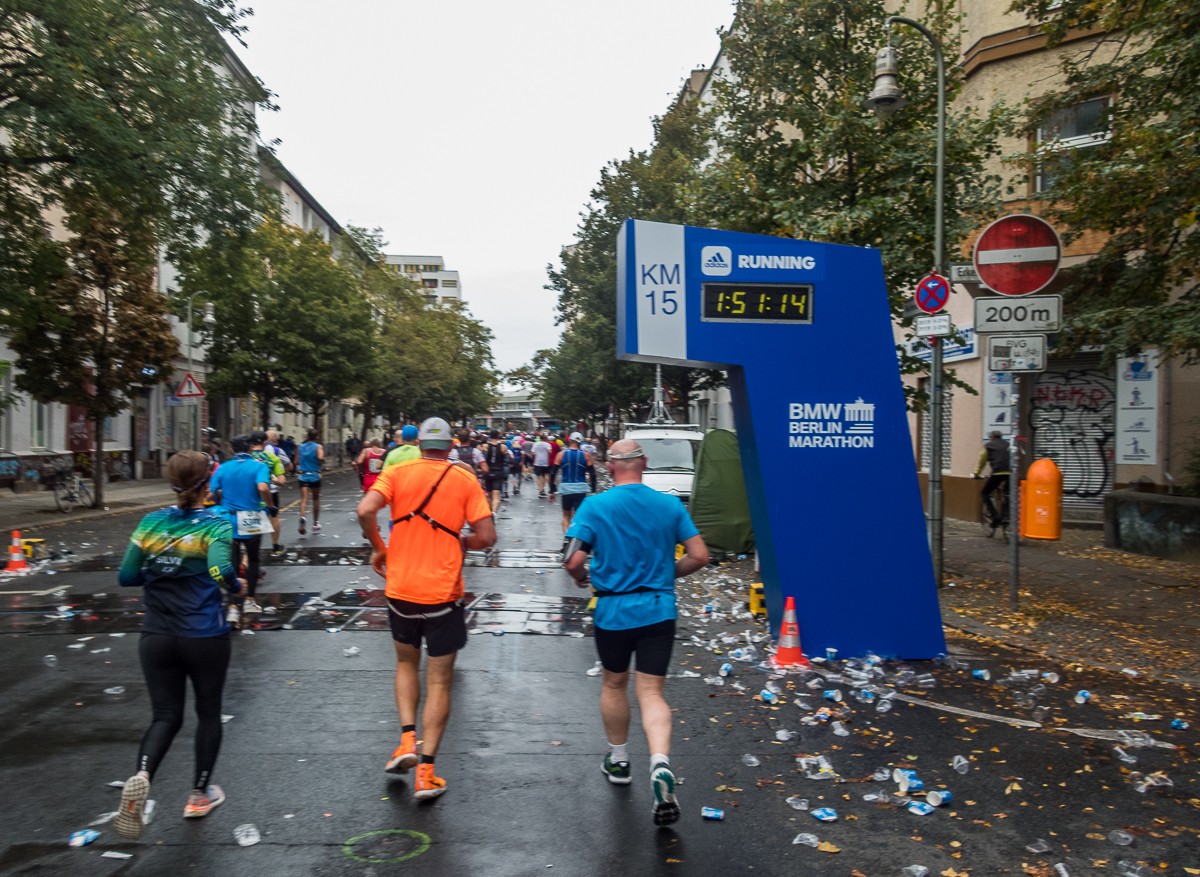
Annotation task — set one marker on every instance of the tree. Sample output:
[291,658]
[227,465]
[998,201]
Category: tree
[582,378]
[796,155]
[99,329]
[291,322]
[126,100]
[1138,182]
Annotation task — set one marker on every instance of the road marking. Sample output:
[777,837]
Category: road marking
[37,593]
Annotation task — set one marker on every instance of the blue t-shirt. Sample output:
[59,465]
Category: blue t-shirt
[238,481]
[633,530]
[309,464]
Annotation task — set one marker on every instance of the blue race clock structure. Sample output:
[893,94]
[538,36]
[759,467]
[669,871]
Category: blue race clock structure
[805,333]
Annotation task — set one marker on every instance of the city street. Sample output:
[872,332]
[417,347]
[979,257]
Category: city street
[310,729]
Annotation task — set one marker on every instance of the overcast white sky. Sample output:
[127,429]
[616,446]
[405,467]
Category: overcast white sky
[473,130]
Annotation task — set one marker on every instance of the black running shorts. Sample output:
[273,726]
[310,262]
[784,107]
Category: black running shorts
[311,485]
[443,634]
[652,644]
[493,481]
[541,470]
[571,501]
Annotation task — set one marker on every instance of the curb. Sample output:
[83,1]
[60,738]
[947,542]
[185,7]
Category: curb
[1027,644]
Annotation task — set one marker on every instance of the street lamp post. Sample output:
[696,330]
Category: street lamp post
[885,99]
[209,319]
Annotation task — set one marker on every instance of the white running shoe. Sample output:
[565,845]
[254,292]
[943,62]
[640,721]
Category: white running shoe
[317,527]
[666,807]
[128,822]
[234,614]
[303,525]
[251,607]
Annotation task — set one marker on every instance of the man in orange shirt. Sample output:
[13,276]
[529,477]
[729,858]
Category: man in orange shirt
[430,498]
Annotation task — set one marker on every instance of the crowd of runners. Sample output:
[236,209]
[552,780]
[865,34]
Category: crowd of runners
[435,484]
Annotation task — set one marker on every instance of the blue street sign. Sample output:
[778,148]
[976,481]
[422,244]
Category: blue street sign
[823,436]
[932,293]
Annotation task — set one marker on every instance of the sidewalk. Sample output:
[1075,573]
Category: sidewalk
[32,511]
[1079,601]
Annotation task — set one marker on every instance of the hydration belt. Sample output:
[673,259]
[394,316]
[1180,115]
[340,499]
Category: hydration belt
[419,512]
[640,589]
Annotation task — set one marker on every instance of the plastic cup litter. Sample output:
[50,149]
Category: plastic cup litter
[961,764]
[712,813]
[937,799]
[920,808]
[1038,846]
[246,835]
[825,814]
[806,839]
[750,761]
[1083,696]
[82,838]
[797,803]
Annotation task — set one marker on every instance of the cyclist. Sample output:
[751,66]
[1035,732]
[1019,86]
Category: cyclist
[994,454]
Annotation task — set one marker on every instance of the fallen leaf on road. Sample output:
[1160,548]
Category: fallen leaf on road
[556,743]
[674,861]
[826,847]
[720,788]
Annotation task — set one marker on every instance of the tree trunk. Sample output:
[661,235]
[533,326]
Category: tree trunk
[98,471]
[368,412]
[264,401]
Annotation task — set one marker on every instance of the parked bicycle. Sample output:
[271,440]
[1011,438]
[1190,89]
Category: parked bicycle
[71,491]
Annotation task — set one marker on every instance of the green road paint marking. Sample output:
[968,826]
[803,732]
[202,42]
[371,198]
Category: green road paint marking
[423,842]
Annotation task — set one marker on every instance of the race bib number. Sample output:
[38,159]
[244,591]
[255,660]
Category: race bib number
[253,523]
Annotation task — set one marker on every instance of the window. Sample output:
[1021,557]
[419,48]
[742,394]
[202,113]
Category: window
[448,299]
[449,283]
[39,425]
[430,283]
[412,269]
[431,268]
[431,299]
[1079,127]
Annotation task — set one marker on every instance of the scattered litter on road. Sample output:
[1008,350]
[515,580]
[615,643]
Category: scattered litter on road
[914,871]
[101,651]
[225,718]
[246,835]
[826,814]
[116,689]
[750,761]
[797,803]
[352,651]
[103,818]
[50,661]
[808,840]
[82,838]
[712,813]
[117,784]
[113,854]
[1120,838]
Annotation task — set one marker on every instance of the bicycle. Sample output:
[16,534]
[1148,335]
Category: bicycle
[70,491]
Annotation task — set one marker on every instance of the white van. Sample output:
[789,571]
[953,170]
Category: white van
[671,453]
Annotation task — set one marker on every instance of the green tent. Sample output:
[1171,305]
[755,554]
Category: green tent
[718,504]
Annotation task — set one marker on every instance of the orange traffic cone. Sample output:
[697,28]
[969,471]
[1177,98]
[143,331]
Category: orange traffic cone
[788,653]
[16,556]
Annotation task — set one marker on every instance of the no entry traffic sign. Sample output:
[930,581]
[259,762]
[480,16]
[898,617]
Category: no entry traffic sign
[932,293]
[1017,255]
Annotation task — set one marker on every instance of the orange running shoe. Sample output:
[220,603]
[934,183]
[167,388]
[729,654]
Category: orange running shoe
[428,785]
[405,756]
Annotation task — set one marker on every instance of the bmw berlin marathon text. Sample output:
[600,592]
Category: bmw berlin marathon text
[831,425]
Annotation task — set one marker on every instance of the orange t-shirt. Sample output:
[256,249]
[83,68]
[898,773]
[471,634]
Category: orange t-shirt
[424,563]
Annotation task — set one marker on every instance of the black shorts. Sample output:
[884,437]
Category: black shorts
[273,508]
[443,634]
[541,470]
[652,643]
[493,481]
[571,501]
[311,485]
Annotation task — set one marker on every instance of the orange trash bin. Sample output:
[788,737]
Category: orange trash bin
[1041,501]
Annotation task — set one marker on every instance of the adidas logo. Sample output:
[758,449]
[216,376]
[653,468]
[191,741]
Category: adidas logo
[716,261]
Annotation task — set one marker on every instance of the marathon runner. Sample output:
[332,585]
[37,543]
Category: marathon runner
[181,557]
[541,463]
[309,457]
[430,500]
[517,467]
[574,465]
[260,450]
[406,450]
[495,457]
[370,463]
[633,531]
[241,488]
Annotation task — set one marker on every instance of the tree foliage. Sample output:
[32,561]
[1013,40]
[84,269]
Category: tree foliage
[1140,183]
[582,379]
[99,327]
[796,155]
[126,99]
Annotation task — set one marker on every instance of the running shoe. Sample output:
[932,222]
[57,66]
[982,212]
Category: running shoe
[201,803]
[666,808]
[251,607]
[316,526]
[277,550]
[233,615]
[428,785]
[616,771]
[303,525]
[405,756]
[128,821]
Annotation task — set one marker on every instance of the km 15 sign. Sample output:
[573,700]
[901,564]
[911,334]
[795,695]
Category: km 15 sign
[1017,255]
[1032,314]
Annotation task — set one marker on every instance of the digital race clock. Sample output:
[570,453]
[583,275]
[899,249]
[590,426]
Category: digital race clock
[757,302]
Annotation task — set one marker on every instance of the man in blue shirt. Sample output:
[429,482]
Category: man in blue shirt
[242,485]
[633,531]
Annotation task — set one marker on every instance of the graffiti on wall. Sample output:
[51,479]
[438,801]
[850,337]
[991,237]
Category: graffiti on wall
[1072,419]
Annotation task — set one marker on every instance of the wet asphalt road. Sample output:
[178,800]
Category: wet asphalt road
[302,758]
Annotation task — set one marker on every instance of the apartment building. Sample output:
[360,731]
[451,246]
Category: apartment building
[1105,426]
[441,286]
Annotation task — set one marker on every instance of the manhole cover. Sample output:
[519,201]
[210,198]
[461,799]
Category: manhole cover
[386,847]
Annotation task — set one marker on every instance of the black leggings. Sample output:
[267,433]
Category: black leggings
[251,545]
[167,662]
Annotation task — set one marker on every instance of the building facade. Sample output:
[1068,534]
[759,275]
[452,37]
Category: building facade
[439,285]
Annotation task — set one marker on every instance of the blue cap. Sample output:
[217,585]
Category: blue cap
[409,433]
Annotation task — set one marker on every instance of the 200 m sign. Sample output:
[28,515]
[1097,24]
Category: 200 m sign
[1034,314]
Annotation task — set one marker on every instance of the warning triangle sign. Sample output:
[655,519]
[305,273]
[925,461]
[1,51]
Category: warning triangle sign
[188,388]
